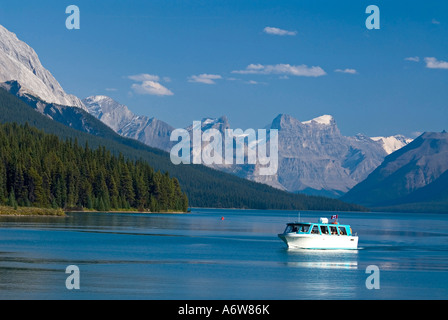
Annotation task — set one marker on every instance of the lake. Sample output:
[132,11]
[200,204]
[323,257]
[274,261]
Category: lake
[202,256]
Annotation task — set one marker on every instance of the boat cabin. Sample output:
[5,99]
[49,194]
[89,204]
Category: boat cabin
[319,229]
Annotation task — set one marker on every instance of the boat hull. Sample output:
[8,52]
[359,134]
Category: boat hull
[312,241]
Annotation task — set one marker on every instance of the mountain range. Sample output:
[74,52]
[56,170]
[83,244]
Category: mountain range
[40,101]
[314,157]
[391,173]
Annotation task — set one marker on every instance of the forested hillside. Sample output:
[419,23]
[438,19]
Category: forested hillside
[39,169]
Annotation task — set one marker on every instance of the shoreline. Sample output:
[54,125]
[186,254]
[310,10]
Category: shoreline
[126,211]
[6,211]
[30,212]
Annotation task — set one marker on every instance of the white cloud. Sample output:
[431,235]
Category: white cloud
[434,21]
[283,69]
[149,84]
[350,71]
[413,59]
[279,32]
[252,68]
[144,77]
[152,88]
[205,78]
[433,63]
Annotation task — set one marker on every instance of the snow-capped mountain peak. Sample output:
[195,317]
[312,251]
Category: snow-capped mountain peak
[324,119]
[392,143]
[109,111]
[98,99]
[19,62]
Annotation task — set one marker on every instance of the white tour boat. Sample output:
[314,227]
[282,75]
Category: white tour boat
[321,235]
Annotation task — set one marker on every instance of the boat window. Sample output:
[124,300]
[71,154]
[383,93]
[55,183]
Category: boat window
[303,228]
[324,229]
[342,231]
[315,230]
[333,230]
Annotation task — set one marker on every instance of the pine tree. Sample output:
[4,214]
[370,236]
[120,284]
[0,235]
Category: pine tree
[12,199]
[127,189]
[184,207]
[36,191]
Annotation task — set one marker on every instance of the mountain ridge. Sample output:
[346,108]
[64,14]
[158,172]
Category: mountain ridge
[150,131]
[409,175]
[325,161]
[205,187]
[18,61]
[343,161]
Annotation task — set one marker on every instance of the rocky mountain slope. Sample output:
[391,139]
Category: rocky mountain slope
[314,157]
[150,131]
[417,173]
[73,117]
[18,61]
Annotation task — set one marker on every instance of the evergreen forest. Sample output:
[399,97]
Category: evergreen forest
[40,170]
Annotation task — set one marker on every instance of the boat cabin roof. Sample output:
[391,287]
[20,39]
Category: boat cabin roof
[316,223]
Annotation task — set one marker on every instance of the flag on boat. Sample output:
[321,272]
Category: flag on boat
[334,217]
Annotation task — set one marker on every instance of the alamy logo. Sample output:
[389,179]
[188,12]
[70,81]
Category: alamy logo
[373,20]
[221,151]
[373,280]
[73,20]
[73,280]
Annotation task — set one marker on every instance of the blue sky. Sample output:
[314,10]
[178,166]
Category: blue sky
[251,60]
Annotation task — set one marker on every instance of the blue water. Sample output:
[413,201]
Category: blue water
[200,256]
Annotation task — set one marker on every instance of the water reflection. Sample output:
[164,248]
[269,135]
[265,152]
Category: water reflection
[323,259]
[324,265]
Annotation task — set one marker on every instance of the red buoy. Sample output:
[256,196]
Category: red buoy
[222,218]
